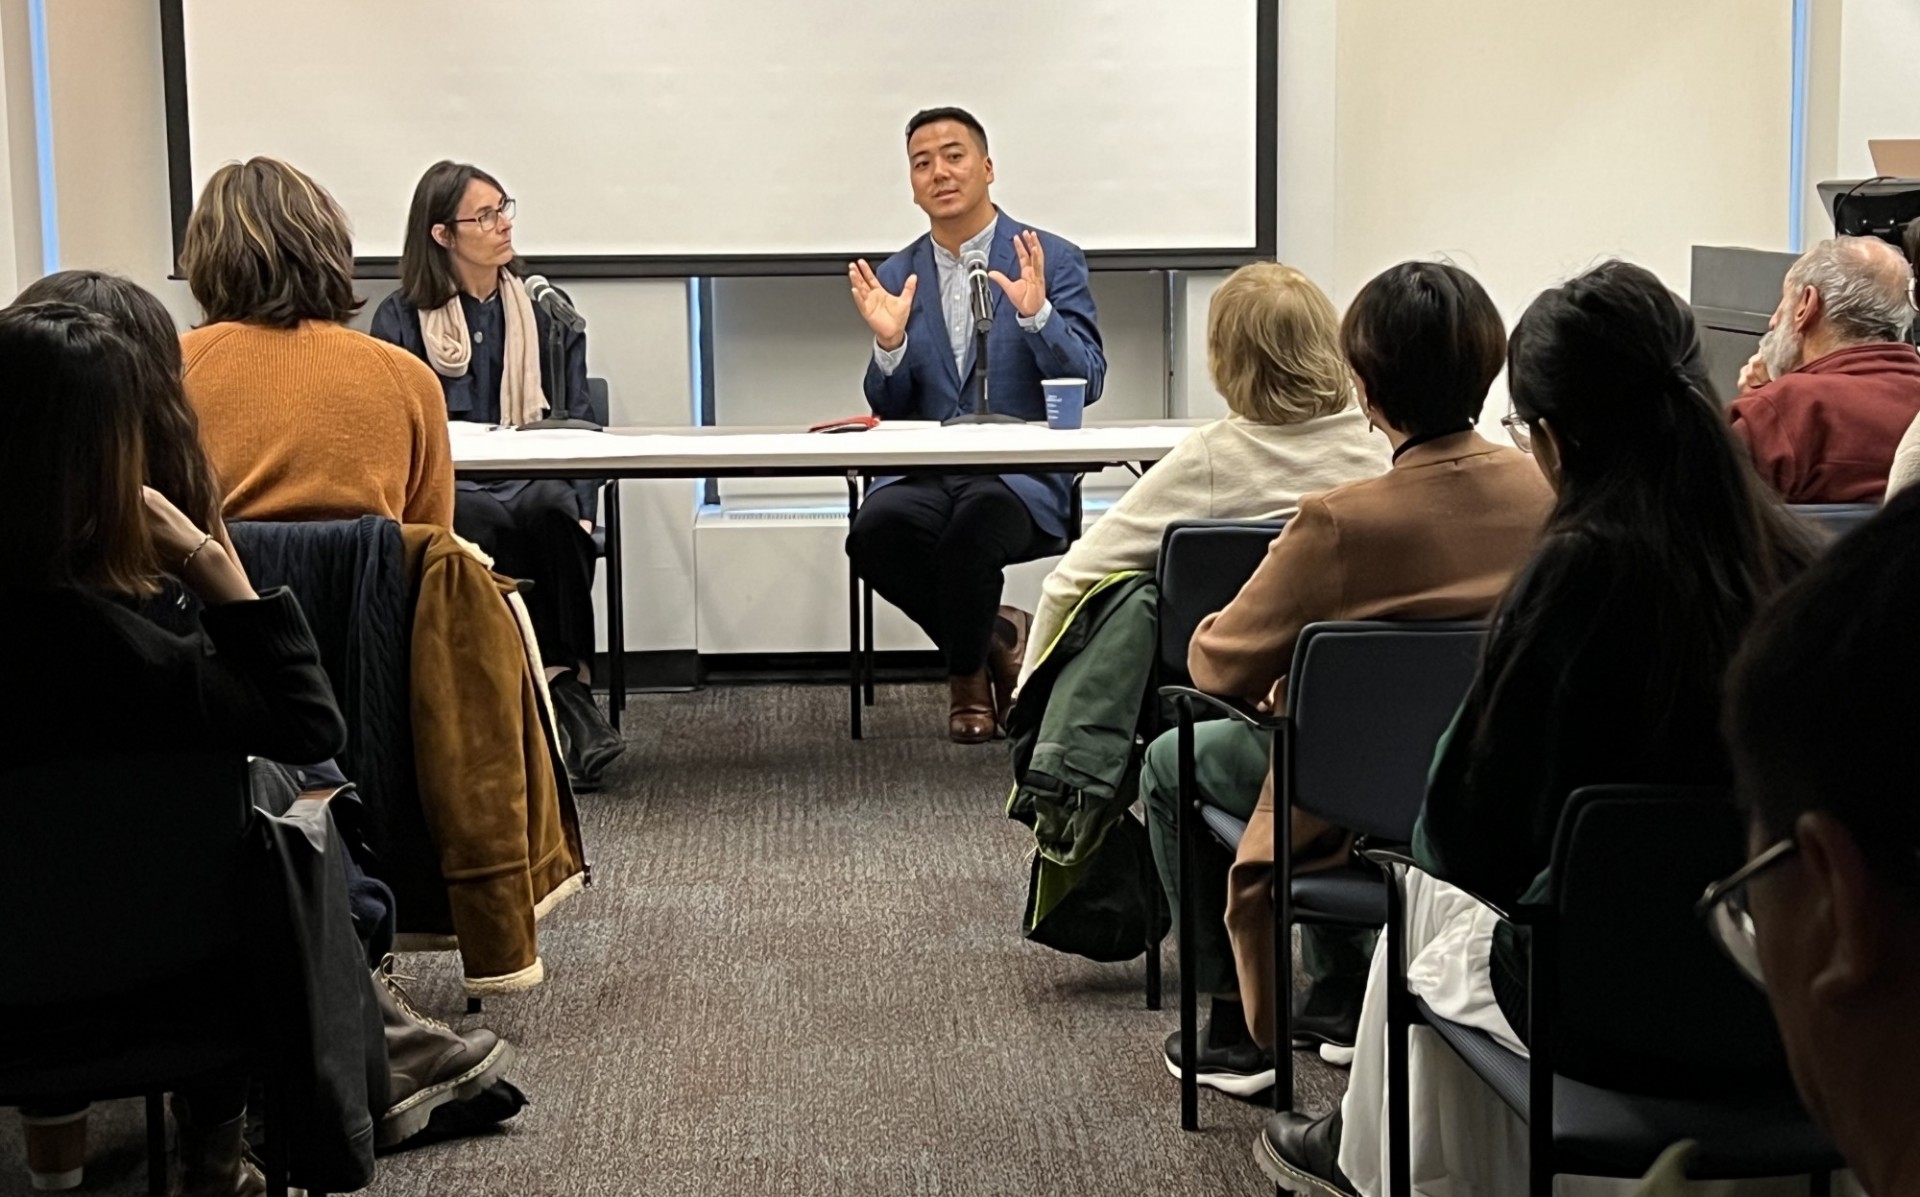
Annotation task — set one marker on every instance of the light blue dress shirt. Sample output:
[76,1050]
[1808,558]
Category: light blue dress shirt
[956,305]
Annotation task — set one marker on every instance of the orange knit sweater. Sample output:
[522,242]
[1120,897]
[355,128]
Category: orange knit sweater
[319,423]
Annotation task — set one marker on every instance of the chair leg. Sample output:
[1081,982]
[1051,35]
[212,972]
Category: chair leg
[157,1144]
[1399,1026]
[1282,996]
[275,1163]
[1187,831]
[866,638]
[855,651]
[616,610]
[1153,976]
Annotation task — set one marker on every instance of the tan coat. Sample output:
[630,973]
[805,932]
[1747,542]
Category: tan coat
[490,777]
[1439,536]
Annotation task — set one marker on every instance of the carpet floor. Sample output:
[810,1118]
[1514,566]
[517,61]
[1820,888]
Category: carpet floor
[799,970]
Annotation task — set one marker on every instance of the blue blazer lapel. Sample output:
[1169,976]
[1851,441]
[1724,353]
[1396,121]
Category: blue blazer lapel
[1000,256]
[933,320]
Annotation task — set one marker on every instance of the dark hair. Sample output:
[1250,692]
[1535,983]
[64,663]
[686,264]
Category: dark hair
[267,245]
[1426,342]
[1611,362]
[71,462]
[426,270]
[177,464]
[1821,705]
[928,116]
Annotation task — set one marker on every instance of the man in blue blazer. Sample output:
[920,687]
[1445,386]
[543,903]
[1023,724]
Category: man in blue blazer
[934,545]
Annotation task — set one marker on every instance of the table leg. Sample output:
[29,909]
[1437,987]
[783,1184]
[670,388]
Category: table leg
[616,611]
[855,650]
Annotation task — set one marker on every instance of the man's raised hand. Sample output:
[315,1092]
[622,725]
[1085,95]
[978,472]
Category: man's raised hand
[885,313]
[1028,293]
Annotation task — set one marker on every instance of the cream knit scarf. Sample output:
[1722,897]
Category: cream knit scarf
[450,349]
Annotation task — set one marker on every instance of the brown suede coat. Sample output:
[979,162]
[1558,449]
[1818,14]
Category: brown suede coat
[1438,536]
[492,784]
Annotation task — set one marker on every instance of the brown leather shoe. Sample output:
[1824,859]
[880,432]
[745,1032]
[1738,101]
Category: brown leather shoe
[970,717]
[1006,651]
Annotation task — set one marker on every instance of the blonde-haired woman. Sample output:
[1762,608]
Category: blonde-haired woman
[303,417]
[1273,348]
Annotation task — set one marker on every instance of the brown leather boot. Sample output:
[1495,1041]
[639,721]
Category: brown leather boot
[428,1062]
[1006,652]
[970,715]
[213,1159]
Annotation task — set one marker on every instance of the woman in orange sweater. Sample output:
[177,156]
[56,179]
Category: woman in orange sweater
[304,418]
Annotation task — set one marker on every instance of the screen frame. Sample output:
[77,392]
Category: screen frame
[173,50]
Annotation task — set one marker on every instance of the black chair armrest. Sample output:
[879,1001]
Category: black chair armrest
[1232,708]
[1389,855]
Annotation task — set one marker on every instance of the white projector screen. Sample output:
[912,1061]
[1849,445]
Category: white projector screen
[745,136]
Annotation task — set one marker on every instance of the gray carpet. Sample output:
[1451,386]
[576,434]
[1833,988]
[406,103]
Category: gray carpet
[799,970]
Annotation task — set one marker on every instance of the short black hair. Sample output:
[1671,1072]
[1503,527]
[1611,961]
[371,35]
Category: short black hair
[1426,342]
[1821,704]
[928,116]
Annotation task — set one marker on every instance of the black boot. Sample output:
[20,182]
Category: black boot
[1302,1154]
[588,741]
[1229,1059]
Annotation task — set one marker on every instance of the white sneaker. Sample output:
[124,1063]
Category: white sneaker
[1339,1057]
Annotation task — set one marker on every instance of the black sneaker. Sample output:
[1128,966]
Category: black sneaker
[1302,1155]
[1229,1060]
[1330,1015]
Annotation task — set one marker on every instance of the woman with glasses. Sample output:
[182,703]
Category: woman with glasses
[463,309]
[1603,665]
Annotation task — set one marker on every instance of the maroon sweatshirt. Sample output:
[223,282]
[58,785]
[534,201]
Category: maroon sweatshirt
[1826,432]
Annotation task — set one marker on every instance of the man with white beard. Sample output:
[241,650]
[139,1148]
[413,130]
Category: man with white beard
[1835,384]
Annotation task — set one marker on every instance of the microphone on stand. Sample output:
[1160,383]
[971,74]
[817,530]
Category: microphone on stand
[560,315]
[979,290]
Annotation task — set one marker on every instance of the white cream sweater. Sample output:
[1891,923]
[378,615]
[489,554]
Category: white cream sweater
[1229,469]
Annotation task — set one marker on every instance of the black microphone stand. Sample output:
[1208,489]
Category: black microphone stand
[556,370]
[981,413]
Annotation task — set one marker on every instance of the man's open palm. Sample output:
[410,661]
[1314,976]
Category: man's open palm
[885,313]
[1028,293]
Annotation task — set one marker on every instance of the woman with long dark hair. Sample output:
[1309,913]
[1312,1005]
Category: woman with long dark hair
[463,309]
[1603,665]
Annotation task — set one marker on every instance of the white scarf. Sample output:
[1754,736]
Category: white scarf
[450,350]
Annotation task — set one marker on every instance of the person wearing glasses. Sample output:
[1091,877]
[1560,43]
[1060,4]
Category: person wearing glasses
[1826,914]
[463,309]
[1603,665]
[1835,383]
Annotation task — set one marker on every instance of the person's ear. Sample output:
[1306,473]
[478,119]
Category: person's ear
[443,236]
[1807,310]
[1546,450]
[1842,910]
[989,163]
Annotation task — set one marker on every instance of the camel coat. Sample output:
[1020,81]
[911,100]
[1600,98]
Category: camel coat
[1439,536]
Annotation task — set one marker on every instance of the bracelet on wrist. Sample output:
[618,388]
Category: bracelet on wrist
[205,540]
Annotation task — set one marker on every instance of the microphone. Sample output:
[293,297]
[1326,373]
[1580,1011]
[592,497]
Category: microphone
[980,289]
[546,295]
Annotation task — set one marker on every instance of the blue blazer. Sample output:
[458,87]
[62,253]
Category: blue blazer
[926,386]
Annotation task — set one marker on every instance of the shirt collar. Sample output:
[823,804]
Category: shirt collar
[980,241]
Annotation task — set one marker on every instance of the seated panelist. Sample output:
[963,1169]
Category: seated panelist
[936,545]
[463,309]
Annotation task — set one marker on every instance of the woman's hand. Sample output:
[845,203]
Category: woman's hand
[197,558]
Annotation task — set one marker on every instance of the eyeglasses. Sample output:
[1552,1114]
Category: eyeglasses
[1724,907]
[489,218]
[1519,430]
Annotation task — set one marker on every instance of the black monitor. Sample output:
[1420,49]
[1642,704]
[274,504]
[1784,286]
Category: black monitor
[1872,207]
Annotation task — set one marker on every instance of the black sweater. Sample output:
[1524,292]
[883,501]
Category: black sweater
[89,676]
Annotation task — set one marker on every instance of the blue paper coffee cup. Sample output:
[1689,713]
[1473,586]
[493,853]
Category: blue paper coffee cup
[1066,401]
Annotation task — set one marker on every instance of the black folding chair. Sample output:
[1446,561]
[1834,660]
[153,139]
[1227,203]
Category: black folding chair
[606,541]
[860,667]
[124,901]
[1366,703]
[1835,519]
[1641,1033]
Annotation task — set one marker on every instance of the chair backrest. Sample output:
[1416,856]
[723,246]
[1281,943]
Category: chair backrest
[120,871]
[598,404]
[1645,1000]
[1203,564]
[1368,701]
[1836,519]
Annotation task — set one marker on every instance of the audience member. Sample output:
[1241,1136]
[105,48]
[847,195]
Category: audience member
[1835,382]
[1906,461]
[303,418]
[429,1062]
[1826,915]
[1273,350]
[463,310]
[1438,536]
[1604,665]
